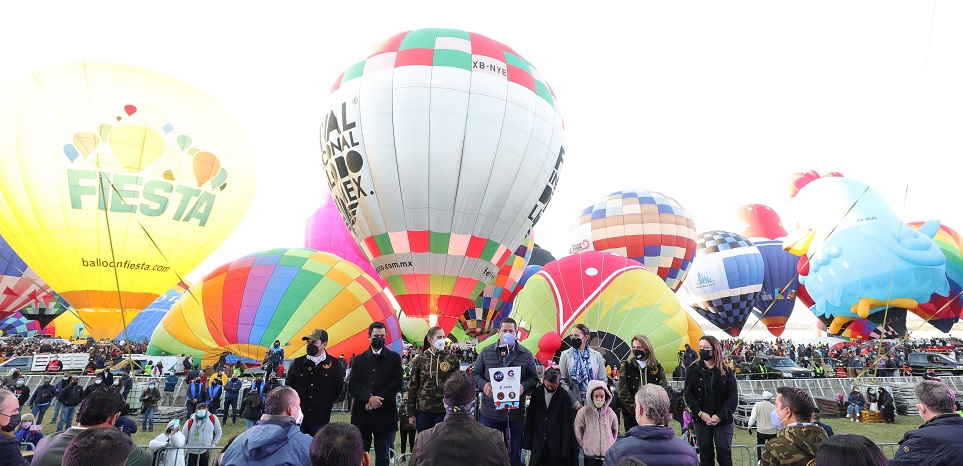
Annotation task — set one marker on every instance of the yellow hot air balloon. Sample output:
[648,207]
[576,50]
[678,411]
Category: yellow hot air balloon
[98,196]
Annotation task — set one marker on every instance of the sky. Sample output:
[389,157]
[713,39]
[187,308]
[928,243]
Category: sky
[713,103]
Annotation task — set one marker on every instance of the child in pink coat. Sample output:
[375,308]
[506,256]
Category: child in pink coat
[596,426]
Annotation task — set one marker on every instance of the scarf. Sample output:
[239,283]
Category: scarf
[581,371]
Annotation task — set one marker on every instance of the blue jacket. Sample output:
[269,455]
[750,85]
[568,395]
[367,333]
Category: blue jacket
[654,445]
[936,443]
[196,391]
[214,393]
[274,442]
[232,389]
[170,383]
[489,358]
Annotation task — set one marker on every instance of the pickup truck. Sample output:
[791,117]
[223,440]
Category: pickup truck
[920,362]
[38,362]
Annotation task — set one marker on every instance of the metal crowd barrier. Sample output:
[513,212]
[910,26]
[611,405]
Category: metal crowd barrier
[889,449]
[157,458]
[393,458]
[745,455]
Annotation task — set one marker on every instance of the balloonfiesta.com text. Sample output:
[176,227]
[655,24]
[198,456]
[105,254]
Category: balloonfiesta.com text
[124,265]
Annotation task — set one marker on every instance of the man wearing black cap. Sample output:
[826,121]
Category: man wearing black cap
[317,377]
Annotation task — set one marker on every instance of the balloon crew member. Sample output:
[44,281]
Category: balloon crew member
[196,394]
[506,353]
[429,371]
[214,393]
[641,367]
[712,394]
[274,358]
[375,381]
[317,378]
[231,393]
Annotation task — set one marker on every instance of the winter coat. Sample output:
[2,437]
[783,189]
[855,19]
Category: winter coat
[654,445]
[43,395]
[232,389]
[459,439]
[170,383]
[272,441]
[630,380]
[711,392]
[375,375]
[489,358]
[936,443]
[169,457]
[596,429]
[550,430]
[50,451]
[10,451]
[22,393]
[429,371]
[252,412]
[150,397]
[566,364]
[318,385]
[203,433]
[71,395]
[793,446]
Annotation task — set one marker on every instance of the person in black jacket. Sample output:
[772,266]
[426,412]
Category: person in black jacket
[69,397]
[375,382]
[41,398]
[550,424]
[317,377]
[937,441]
[9,419]
[712,394]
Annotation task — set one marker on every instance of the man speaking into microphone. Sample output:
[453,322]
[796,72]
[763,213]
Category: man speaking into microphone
[507,353]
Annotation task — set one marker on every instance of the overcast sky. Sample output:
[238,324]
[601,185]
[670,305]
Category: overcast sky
[713,103]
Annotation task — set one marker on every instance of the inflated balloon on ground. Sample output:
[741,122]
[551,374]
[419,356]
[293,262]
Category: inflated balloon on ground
[442,149]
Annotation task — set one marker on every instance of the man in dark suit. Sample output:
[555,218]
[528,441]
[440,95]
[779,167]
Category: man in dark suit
[317,377]
[374,383]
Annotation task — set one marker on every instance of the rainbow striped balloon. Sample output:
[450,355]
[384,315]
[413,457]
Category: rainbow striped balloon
[942,312]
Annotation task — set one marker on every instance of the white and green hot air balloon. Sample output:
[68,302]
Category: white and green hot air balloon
[442,149]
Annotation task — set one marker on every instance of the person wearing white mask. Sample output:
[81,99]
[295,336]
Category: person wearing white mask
[277,437]
[167,443]
[203,431]
[429,371]
[798,438]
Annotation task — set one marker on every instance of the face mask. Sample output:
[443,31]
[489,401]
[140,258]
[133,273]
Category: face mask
[277,345]
[14,422]
[300,418]
[774,417]
[46,382]
[640,355]
[19,383]
[151,385]
[201,413]
[74,383]
[116,383]
[598,403]
[439,344]
[576,342]
[705,354]
[508,339]
[97,382]
[551,390]
[26,424]
[377,343]
[313,350]
[66,378]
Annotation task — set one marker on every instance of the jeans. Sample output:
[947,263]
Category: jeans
[425,421]
[148,416]
[66,417]
[250,423]
[515,429]
[56,410]
[721,438]
[38,411]
[198,459]
[383,441]
[228,404]
[407,437]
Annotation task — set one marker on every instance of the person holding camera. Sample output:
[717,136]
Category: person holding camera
[166,445]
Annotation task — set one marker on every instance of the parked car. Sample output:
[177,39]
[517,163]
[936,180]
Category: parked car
[777,367]
[920,362]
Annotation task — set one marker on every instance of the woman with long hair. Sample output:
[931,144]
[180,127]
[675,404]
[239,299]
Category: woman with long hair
[849,450]
[712,394]
[641,367]
[429,371]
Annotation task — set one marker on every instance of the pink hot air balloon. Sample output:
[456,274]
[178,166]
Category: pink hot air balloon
[326,232]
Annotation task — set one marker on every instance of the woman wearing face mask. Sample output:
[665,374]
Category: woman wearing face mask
[712,394]
[640,368]
[25,433]
[580,365]
[9,420]
[429,371]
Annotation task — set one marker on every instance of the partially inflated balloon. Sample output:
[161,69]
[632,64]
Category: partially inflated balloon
[944,311]
[94,214]
[725,279]
[326,232]
[19,285]
[615,296]
[140,328]
[442,149]
[646,226]
[281,294]
[495,301]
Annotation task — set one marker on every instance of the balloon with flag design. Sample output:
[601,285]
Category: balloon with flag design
[101,199]
[495,301]
[725,279]
[615,296]
[646,226]
[441,149]
[281,294]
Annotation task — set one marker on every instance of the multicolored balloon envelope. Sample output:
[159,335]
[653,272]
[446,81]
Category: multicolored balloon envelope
[115,180]
[615,296]
[17,324]
[281,294]
[777,298]
[141,327]
[873,328]
[725,279]
[20,287]
[441,149]
[326,232]
[495,301]
[944,311]
[646,226]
